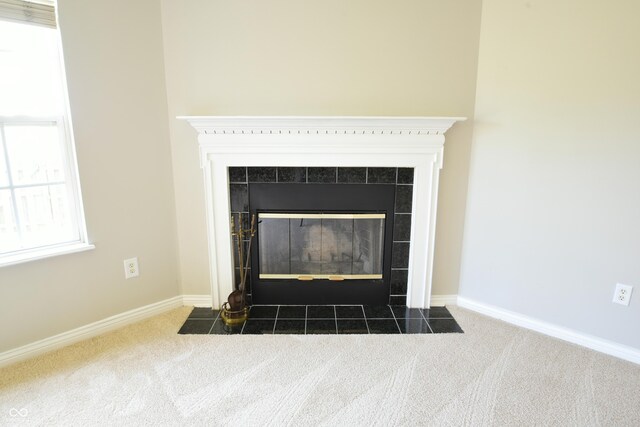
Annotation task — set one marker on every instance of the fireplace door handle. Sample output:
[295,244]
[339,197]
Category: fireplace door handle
[308,278]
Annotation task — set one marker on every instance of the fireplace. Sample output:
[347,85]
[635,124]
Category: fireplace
[320,144]
[322,243]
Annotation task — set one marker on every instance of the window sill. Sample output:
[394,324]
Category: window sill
[42,253]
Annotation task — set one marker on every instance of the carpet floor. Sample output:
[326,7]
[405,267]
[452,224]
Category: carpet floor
[493,374]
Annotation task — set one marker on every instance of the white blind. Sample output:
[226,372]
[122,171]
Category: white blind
[41,12]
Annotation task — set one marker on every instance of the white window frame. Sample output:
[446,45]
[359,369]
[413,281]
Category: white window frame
[71,180]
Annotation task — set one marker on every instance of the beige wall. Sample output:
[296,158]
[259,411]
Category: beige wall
[553,218]
[117,93]
[287,57]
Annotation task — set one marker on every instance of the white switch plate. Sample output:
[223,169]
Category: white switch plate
[131,268]
[622,295]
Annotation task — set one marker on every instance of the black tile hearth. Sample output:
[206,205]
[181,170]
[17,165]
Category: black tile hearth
[413,326]
[196,326]
[204,313]
[291,327]
[258,326]
[325,319]
[378,312]
[436,313]
[263,312]
[349,312]
[219,328]
[321,326]
[402,312]
[292,312]
[439,326]
[320,312]
[352,326]
[383,326]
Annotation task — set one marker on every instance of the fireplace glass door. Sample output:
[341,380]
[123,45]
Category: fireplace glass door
[333,246]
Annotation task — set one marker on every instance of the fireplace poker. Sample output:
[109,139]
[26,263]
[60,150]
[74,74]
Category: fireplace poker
[252,232]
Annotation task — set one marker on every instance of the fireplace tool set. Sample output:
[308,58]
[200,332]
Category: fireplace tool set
[235,310]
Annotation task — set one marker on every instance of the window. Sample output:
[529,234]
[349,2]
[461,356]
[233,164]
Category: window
[40,207]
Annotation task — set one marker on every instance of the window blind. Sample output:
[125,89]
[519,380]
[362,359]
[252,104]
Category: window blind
[40,12]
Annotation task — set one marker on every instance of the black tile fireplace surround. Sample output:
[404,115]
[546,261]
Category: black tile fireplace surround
[241,178]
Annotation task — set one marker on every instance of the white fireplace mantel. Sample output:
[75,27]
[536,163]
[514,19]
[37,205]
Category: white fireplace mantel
[411,142]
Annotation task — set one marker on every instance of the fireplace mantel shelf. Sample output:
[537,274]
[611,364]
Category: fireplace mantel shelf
[410,142]
[347,125]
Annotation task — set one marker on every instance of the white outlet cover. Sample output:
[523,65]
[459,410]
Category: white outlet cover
[131,268]
[622,295]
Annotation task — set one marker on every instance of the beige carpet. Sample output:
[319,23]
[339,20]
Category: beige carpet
[494,374]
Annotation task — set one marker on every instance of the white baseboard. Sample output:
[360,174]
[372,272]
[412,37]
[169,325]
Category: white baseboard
[88,331]
[197,300]
[598,344]
[114,322]
[442,300]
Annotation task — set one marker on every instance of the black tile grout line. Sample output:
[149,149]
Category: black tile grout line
[306,313]
[275,321]
[243,325]
[396,320]
[426,320]
[214,322]
[365,320]
[335,315]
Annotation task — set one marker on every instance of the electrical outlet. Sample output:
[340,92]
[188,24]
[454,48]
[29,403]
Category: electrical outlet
[131,268]
[622,295]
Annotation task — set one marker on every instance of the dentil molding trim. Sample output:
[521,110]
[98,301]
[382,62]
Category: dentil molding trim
[346,125]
